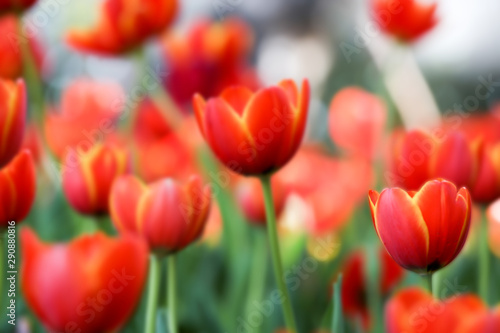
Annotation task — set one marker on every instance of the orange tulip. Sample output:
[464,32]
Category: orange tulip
[15,6]
[254,133]
[124,25]
[168,216]
[325,184]
[90,285]
[494,227]
[413,310]
[87,178]
[356,121]
[417,157]
[12,118]
[17,189]
[251,199]
[354,300]
[486,187]
[423,231]
[209,58]
[88,113]
[406,20]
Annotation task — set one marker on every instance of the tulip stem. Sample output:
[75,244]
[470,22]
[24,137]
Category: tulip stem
[275,253]
[153,292]
[428,280]
[172,299]
[484,260]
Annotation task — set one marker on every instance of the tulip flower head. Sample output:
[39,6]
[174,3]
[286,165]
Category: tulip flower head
[486,187]
[87,177]
[17,188]
[89,285]
[11,62]
[124,25]
[423,231]
[12,118]
[168,216]
[406,20]
[254,133]
[356,121]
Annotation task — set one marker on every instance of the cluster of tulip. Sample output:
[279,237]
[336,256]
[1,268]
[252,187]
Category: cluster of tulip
[149,174]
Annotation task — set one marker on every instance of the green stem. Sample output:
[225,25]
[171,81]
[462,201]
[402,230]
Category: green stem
[428,281]
[31,75]
[172,288]
[337,322]
[258,276]
[153,292]
[484,260]
[372,282]
[275,253]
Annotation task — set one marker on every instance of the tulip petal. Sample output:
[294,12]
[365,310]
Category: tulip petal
[124,199]
[445,215]
[237,97]
[402,229]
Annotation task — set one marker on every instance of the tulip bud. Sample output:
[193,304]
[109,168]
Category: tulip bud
[12,118]
[91,284]
[17,188]
[254,134]
[168,216]
[423,231]
[87,178]
[486,187]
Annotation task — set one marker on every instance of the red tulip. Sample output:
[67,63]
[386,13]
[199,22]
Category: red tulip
[124,25]
[87,178]
[15,6]
[423,231]
[88,113]
[11,62]
[12,118]
[251,199]
[168,216]
[356,121]
[406,20]
[209,58]
[417,157]
[413,310]
[17,189]
[494,227]
[486,187]
[486,322]
[254,133]
[90,285]
[354,300]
